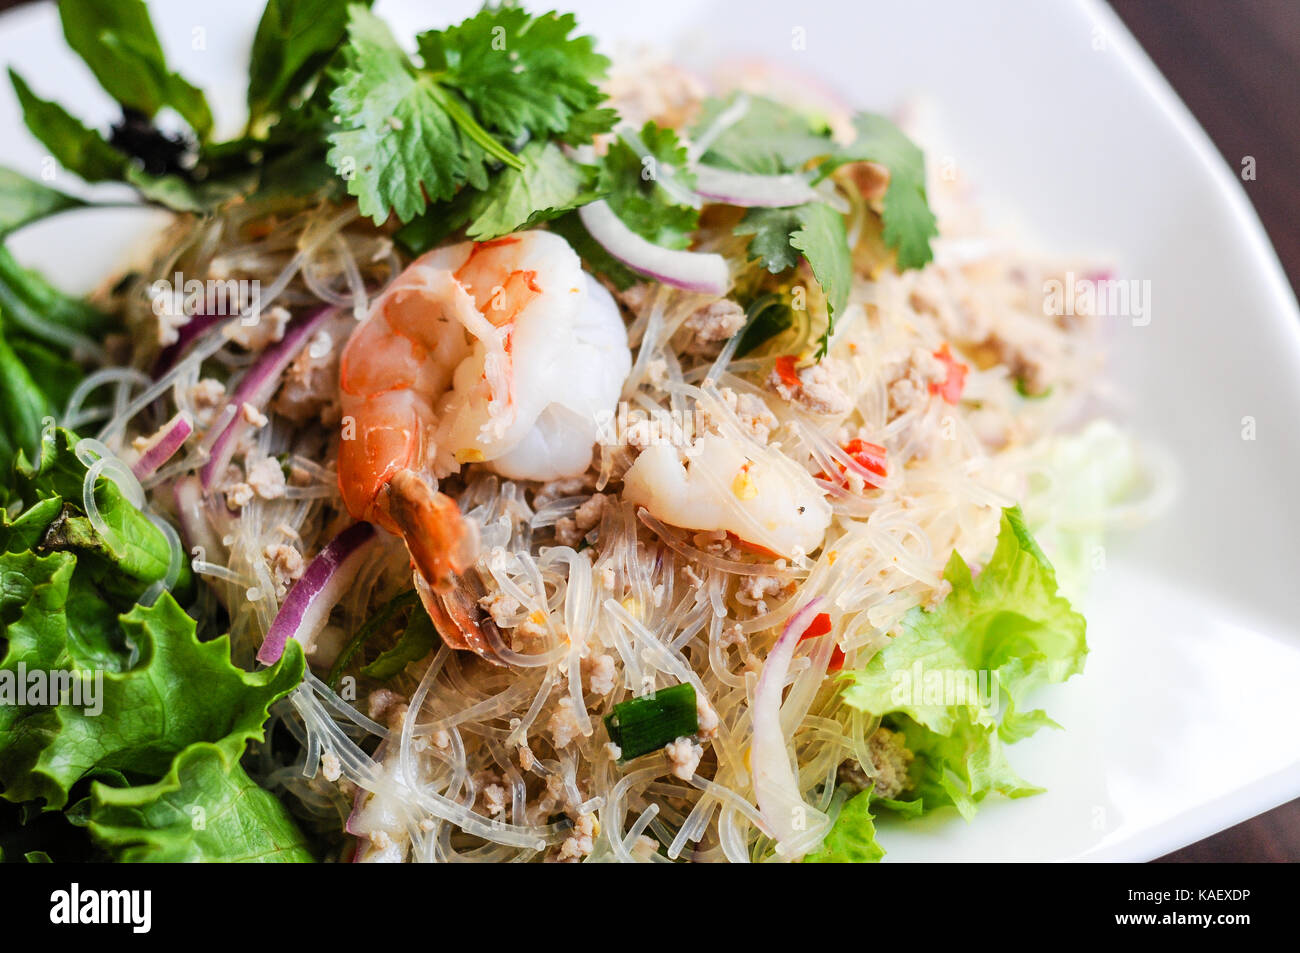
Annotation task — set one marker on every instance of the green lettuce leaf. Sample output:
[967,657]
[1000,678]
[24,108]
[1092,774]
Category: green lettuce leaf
[852,838]
[180,690]
[994,639]
[206,809]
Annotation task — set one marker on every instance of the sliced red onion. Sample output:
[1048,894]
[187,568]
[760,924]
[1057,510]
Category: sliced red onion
[746,190]
[163,445]
[200,539]
[307,607]
[257,386]
[186,335]
[703,272]
[776,785]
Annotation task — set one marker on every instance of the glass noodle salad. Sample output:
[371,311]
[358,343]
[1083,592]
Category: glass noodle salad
[510,455]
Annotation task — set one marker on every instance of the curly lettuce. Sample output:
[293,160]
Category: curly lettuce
[953,682]
[163,717]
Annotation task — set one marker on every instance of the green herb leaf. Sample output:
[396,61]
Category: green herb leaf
[909,223]
[632,175]
[418,640]
[765,318]
[825,245]
[769,139]
[80,150]
[398,146]
[118,43]
[772,228]
[641,725]
[548,185]
[23,200]
[31,303]
[817,232]
[294,41]
[23,405]
[521,74]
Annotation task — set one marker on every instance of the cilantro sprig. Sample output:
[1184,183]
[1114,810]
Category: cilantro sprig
[908,222]
[410,133]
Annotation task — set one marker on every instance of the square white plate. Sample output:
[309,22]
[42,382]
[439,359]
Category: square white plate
[1186,719]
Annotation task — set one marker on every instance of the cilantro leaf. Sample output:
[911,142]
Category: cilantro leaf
[909,223]
[825,245]
[81,151]
[772,228]
[118,43]
[769,139]
[521,74]
[412,135]
[397,147]
[548,185]
[632,177]
[1009,623]
[815,231]
[294,40]
[206,810]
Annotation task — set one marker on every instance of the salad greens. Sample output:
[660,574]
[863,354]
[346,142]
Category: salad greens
[1007,625]
[171,715]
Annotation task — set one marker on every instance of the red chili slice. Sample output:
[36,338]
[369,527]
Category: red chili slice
[955,381]
[786,371]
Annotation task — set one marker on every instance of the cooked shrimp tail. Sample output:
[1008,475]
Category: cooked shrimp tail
[441,543]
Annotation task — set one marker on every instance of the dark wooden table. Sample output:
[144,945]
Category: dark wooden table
[1236,63]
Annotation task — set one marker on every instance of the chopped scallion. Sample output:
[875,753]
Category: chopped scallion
[642,725]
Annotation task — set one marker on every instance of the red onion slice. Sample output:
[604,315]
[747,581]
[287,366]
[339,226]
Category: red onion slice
[186,335]
[797,826]
[163,445]
[746,190]
[307,607]
[257,386]
[703,272]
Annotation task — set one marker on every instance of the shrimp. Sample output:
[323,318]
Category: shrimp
[753,492]
[504,353]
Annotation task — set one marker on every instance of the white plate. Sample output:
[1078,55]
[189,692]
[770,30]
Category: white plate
[1186,720]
